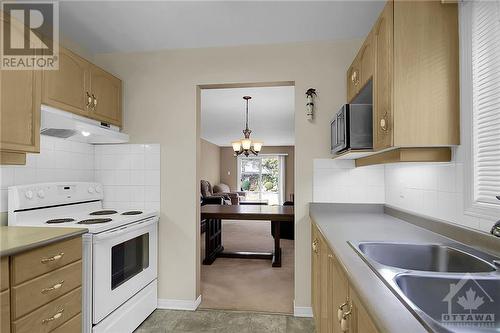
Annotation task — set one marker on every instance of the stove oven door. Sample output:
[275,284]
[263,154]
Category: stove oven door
[124,262]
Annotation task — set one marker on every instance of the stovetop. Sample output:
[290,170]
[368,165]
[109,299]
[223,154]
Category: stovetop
[74,205]
[90,215]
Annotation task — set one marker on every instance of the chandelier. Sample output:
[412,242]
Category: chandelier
[246,146]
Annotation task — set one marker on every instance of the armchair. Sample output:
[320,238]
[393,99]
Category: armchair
[207,193]
[236,196]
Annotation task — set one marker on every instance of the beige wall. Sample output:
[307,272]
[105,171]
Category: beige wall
[229,166]
[161,100]
[209,162]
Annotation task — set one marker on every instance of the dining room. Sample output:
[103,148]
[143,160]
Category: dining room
[246,169]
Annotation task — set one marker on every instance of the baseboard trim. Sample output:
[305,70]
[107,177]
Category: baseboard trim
[177,304]
[302,311]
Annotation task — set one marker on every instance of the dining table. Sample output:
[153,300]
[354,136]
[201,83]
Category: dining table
[215,214]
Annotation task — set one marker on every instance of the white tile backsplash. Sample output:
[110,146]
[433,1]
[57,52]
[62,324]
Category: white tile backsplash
[340,182]
[435,190]
[130,173]
[58,160]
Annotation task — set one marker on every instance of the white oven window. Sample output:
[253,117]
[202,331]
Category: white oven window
[129,259]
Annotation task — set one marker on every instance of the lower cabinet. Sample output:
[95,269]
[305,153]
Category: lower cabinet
[41,289]
[336,306]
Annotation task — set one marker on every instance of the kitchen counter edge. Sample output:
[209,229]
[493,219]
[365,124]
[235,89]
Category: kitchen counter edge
[49,236]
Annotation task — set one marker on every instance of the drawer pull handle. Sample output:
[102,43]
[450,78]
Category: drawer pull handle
[53,258]
[54,287]
[54,317]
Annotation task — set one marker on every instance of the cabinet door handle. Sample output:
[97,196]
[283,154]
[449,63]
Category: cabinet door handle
[53,258]
[89,99]
[95,100]
[355,77]
[383,123]
[315,246]
[54,317]
[344,322]
[340,311]
[54,287]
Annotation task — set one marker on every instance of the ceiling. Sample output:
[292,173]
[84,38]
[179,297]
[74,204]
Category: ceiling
[127,26]
[271,115]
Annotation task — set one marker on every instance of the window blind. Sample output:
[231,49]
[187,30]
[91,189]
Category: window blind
[485,21]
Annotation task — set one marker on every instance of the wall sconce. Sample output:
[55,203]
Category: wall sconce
[310,94]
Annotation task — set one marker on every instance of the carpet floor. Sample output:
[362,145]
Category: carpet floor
[249,284]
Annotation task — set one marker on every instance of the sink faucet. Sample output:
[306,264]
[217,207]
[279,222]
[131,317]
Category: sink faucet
[495,231]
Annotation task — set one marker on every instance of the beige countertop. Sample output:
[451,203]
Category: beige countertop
[14,240]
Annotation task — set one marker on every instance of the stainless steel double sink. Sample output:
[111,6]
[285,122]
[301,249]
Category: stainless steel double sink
[448,287]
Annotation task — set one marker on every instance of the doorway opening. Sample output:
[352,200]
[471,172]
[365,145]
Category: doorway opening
[256,280]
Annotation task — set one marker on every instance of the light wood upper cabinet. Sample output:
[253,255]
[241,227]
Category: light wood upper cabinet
[20,110]
[412,56]
[353,80]
[361,69]
[82,88]
[69,87]
[366,60]
[106,93]
[20,92]
[382,85]
[426,74]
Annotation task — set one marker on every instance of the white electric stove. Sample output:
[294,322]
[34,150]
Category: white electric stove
[119,251]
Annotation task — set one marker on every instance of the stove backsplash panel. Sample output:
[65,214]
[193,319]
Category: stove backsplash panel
[58,160]
[130,174]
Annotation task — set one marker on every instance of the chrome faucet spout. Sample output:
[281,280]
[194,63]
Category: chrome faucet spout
[495,231]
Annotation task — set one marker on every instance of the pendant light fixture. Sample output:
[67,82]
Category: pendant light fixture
[245,146]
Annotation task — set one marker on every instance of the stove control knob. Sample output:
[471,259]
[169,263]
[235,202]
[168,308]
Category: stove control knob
[98,189]
[29,195]
[41,194]
[91,190]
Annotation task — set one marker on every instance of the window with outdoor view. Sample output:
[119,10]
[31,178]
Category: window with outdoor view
[262,178]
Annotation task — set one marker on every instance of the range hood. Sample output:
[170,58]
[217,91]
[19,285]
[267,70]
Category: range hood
[69,126]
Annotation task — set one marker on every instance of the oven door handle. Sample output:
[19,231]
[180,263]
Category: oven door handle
[124,230]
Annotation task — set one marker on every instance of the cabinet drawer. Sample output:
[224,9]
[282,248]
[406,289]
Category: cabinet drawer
[74,325]
[31,264]
[51,315]
[4,311]
[34,293]
[4,273]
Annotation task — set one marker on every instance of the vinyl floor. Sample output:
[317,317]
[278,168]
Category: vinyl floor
[201,321]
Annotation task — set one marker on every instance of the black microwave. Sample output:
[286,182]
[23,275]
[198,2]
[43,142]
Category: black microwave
[352,128]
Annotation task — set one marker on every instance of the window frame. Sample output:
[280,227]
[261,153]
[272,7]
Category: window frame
[471,206]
